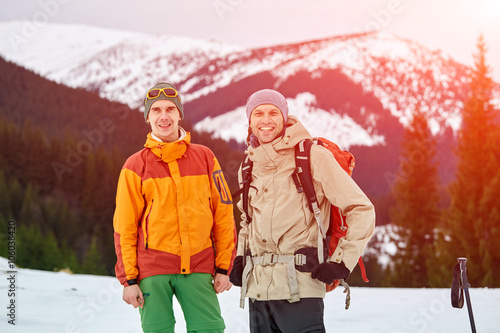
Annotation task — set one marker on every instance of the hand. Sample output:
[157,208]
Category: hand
[221,283]
[133,295]
[329,271]
[236,274]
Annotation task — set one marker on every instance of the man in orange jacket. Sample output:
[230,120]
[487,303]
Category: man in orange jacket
[174,225]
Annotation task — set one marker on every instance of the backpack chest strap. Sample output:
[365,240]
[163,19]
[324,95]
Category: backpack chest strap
[272,258]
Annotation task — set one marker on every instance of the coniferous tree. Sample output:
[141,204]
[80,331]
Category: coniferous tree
[472,222]
[90,194]
[416,214]
[61,220]
[37,250]
[92,263]
[31,210]
[16,193]
[5,198]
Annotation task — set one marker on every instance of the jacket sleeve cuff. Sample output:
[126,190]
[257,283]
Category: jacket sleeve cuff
[131,282]
[221,271]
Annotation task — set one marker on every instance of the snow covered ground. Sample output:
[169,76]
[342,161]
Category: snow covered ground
[63,303]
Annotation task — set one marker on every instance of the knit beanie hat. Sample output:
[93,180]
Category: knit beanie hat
[161,95]
[267,96]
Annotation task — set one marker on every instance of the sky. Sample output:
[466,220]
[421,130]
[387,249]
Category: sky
[450,25]
[59,302]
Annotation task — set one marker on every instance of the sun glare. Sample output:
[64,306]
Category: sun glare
[488,8]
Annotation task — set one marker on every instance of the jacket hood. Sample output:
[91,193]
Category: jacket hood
[169,151]
[294,133]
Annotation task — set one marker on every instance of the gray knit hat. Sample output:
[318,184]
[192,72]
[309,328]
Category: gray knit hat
[154,94]
[267,96]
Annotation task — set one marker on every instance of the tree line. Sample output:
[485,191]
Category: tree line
[429,237]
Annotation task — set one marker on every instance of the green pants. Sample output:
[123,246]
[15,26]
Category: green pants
[196,296]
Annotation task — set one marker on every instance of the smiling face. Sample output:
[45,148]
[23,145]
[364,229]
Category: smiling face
[266,122]
[164,120]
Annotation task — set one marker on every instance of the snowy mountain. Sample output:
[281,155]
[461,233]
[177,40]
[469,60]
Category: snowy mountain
[119,65]
[62,302]
[357,90]
[115,63]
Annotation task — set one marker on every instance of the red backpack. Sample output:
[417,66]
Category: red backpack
[337,226]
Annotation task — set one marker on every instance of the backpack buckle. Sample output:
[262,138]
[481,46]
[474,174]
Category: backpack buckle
[300,259]
[267,259]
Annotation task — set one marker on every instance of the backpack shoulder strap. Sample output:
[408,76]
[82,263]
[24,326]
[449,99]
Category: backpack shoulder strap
[246,173]
[303,172]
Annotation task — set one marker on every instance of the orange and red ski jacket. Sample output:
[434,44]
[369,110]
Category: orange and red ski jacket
[174,213]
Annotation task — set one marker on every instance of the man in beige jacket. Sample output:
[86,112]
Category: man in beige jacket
[284,297]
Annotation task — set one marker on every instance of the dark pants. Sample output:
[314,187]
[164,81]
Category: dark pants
[304,316]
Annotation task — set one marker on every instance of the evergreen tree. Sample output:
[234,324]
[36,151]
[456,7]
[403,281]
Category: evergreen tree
[472,223]
[69,260]
[92,264]
[37,250]
[416,214]
[61,220]
[5,198]
[16,194]
[90,194]
[31,210]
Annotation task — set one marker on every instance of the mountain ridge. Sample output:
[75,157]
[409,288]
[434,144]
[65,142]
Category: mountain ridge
[391,67]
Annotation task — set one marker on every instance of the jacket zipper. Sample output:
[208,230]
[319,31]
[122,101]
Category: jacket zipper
[147,223]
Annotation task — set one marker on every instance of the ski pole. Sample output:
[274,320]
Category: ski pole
[465,287]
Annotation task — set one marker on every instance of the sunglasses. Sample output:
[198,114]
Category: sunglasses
[155,92]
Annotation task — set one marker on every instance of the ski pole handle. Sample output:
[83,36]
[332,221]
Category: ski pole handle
[465,286]
[463,269]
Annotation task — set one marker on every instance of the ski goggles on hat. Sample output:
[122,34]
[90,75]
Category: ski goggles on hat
[167,91]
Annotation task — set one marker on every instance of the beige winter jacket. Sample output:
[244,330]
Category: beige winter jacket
[281,221]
